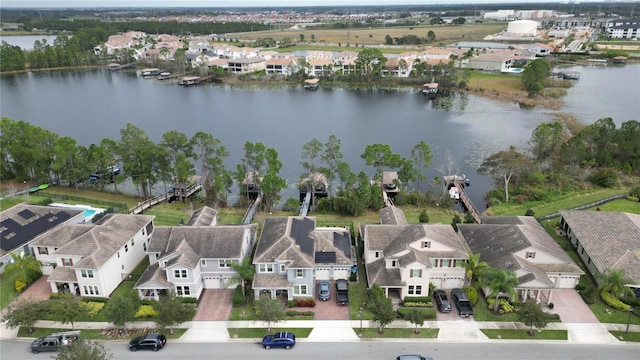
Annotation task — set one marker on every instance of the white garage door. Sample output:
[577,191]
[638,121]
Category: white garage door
[212,282]
[341,273]
[452,283]
[567,282]
[437,282]
[323,274]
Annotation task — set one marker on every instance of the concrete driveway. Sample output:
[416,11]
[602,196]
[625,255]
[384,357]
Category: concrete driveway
[215,305]
[571,308]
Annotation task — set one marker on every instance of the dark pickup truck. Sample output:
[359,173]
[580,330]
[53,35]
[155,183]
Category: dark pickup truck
[461,301]
[342,292]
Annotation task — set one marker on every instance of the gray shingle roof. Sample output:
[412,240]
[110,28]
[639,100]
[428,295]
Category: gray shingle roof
[205,216]
[154,278]
[269,281]
[377,273]
[391,215]
[612,239]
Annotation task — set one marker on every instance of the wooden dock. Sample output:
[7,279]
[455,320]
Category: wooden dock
[461,182]
[251,210]
[187,192]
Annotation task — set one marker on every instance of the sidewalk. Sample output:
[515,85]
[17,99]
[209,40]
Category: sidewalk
[343,330]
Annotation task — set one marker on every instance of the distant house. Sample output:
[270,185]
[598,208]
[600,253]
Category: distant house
[405,258]
[623,29]
[189,259]
[520,244]
[320,67]
[293,253]
[500,61]
[283,67]
[92,260]
[246,65]
[23,223]
[539,49]
[605,240]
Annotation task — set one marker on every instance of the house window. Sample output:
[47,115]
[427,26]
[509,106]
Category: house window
[183,290]
[300,289]
[122,267]
[377,254]
[67,262]
[299,273]
[446,262]
[144,246]
[265,268]
[203,263]
[118,254]
[415,289]
[126,248]
[393,263]
[86,273]
[180,274]
[531,254]
[224,264]
[132,243]
[416,273]
[282,268]
[90,290]
[42,250]
[426,244]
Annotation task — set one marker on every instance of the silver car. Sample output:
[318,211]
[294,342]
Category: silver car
[324,290]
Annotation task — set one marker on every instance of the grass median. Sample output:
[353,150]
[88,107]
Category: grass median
[516,334]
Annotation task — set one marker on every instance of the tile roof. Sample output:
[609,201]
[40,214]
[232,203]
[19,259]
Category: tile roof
[268,281]
[377,273]
[153,278]
[391,215]
[204,216]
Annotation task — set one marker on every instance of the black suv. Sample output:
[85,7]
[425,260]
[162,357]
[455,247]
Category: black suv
[153,342]
[444,305]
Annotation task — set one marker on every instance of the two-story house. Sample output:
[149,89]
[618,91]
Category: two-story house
[405,258]
[520,244]
[92,260]
[293,253]
[189,259]
[23,223]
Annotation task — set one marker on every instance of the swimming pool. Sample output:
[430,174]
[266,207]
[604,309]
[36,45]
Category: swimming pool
[89,211]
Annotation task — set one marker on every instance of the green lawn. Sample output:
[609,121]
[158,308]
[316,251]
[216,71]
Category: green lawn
[91,334]
[522,334]
[7,291]
[624,336]
[398,333]
[258,333]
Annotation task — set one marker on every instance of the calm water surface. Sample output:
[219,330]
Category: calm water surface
[91,105]
[26,42]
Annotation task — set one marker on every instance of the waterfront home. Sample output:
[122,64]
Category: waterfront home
[246,65]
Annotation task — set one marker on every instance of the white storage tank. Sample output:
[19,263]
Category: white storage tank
[523,27]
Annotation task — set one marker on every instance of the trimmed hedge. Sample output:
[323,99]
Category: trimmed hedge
[613,302]
[417,299]
[428,313]
[145,311]
[238,296]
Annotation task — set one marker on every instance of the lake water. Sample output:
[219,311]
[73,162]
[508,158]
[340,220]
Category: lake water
[91,105]
[26,42]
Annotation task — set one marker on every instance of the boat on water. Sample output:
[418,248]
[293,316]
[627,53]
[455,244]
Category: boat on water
[454,192]
[311,84]
[430,90]
[571,75]
[150,72]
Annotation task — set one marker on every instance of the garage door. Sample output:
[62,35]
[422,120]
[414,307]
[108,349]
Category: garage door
[212,282]
[567,282]
[437,282]
[341,273]
[452,283]
[323,274]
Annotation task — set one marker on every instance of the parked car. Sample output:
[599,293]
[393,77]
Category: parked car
[280,339]
[413,357]
[55,341]
[153,342]
[324,290]
[444,305]
[342,292]
[460,299]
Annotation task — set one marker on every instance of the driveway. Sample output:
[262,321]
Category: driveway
[330,310]
[572,309]
[215,304]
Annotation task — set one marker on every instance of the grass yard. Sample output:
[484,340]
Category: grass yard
[623,336]
[512,334]
[398,333]
[259,333]
[495,82]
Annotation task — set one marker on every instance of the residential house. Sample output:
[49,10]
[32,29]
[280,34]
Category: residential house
[320,67]
[623,29]
[92,260]
[189,259]
[495,60]
[23,223]
[520,244]
[293,253]
[539,49]
[246,65]
[405,258]
[605,240]
[283,67]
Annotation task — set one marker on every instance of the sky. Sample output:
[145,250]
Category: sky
[249,3]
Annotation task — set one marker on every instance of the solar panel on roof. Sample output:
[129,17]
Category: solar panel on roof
[26,214]
[325,257]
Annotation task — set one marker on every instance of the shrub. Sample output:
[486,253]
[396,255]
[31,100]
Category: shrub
[299,313]
[632,301]
[19,285]
[189,300]
[94,299]
[613,302]
[428,313]
[472,294]
[93,308]
[581,287]
[145,311]
[238,296]
[290,303]
[422,299]
[418,304]
[504,307]
[551,305]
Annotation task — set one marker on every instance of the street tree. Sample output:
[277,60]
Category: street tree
[501,283]
[24,313]
[421,157]
[331,157]
[269,310]
[68,309]
[416,317]
[380,306]
[121,308]
[172,311]
[244,273]
[84,350]
[503,165]
[531,314]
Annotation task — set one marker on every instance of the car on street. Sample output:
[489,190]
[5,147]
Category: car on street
[413,357]
[324,290]
[55,341]
[442,301]
[152,342]
[284,340]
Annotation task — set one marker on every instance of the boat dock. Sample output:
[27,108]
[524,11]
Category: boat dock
[457,184]
[195,80]
[311,84]
[430,90]
[168,196]
[116,66]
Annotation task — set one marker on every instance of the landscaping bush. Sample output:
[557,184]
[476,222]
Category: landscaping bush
[428,313]
[189,300]
[238,296]
[418,304]
[613,302]
[417,299]
[504,307]
[472,294]
[553,317]
[93,308]
[581,287]
[94,299]
[631,301]
[19,285]
[309,302]
[299,313]
[145,311]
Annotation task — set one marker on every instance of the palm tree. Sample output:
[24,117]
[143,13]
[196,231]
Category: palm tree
[501,282]
[474,267]
[23,267]
[615,283]
[244,273]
